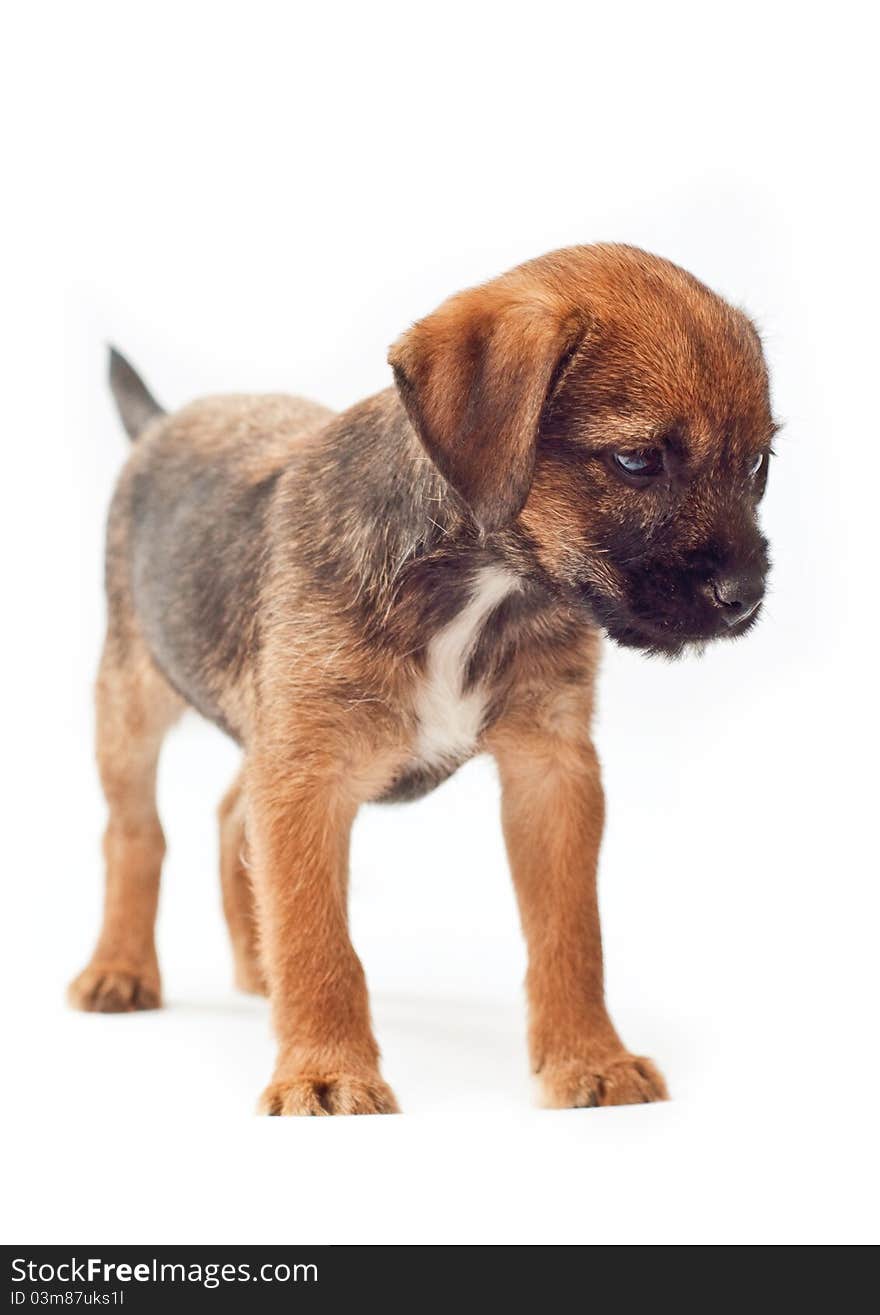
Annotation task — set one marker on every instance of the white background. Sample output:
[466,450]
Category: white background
[262,196]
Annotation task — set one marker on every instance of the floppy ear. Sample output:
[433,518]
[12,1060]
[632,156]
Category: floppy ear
[474,378]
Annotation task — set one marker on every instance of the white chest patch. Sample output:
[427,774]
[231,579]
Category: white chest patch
[449,719]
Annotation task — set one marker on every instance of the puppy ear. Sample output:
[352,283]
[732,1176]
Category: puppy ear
[474,378]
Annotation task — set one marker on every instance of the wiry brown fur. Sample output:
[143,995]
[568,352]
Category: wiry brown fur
[287,573]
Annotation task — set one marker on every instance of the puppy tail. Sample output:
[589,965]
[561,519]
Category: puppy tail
[134,401]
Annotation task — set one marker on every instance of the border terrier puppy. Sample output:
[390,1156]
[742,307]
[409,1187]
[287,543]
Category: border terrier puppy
[364,601]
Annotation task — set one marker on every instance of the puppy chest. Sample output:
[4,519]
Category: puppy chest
[450,712]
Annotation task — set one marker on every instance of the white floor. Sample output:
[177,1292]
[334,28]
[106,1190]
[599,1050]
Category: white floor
[140,1128]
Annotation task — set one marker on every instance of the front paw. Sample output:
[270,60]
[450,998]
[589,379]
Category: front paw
[338,1093]
[114,988]
[623,1079]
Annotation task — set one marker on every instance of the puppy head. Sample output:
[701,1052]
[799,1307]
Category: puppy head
[608,409]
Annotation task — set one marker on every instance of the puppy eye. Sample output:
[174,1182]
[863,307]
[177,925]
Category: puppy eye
[756,465]
[644,463]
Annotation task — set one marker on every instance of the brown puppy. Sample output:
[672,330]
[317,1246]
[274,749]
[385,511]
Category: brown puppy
[364,601]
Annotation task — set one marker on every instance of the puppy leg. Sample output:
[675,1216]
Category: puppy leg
[298,832]
[238,896]
[135,707]
[553,812]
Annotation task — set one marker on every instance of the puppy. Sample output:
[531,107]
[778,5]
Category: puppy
[364,601]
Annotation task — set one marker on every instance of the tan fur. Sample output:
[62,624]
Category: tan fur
[135,708]
[553,813]
[307,582]
[238,896]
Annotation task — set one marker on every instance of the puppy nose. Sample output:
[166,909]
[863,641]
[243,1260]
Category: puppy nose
[737,593]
